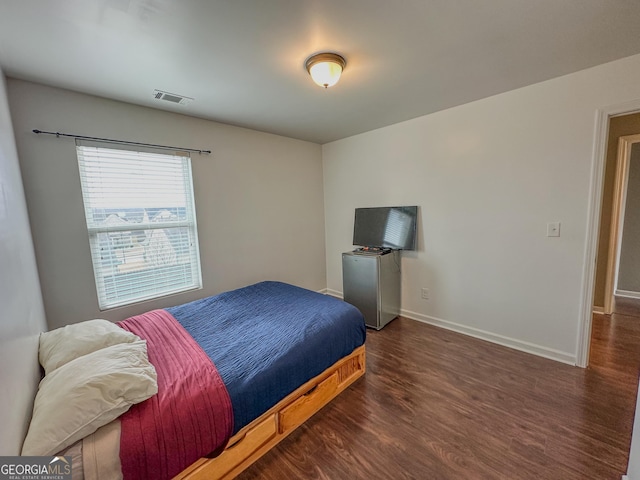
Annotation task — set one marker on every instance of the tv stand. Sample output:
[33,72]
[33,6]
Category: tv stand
[371,282]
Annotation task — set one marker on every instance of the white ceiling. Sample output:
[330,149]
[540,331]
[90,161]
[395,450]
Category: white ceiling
[243,61]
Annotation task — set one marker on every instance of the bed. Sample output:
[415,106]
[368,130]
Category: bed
[251,365]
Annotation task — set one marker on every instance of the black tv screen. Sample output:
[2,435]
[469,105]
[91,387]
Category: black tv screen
[386,227]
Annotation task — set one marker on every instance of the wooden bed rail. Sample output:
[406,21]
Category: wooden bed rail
[266,431]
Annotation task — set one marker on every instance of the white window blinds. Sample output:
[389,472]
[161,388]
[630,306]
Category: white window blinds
[141,222]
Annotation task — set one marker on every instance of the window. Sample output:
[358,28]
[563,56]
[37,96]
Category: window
[141,222]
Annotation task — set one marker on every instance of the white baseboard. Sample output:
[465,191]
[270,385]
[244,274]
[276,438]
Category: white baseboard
[527,347]
[627,294]
[624,477]
[599,310]
[334,293]
[323,291]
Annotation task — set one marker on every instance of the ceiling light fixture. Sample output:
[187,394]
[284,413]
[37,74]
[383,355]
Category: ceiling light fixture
[325,68]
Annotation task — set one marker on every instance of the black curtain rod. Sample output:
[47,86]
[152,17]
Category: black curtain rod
[123,142]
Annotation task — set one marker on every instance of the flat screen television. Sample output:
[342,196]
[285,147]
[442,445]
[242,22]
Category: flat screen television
[386,227]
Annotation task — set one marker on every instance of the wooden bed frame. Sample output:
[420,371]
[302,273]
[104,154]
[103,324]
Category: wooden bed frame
[266,431]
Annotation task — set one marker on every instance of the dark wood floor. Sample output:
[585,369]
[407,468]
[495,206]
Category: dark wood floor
[439,405]
[626,306]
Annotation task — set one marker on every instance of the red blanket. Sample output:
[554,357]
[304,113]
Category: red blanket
[190,417]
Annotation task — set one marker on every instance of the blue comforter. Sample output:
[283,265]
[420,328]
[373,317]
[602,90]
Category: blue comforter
[269,338]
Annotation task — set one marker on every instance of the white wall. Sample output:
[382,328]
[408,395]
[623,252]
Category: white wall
[259,202]
[488,176]
[21,313]
[633,470]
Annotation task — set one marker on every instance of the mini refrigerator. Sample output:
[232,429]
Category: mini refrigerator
[371,282]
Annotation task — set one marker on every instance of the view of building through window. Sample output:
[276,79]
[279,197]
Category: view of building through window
[141,223]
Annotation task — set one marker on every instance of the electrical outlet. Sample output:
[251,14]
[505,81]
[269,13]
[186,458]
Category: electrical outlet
[424,293]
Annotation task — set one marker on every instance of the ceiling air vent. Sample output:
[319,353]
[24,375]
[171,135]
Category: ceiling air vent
[171,97]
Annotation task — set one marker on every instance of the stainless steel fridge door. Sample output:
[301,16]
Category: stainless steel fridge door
[360,285]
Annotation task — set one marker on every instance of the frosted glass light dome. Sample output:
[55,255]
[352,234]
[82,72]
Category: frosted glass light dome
[325,68]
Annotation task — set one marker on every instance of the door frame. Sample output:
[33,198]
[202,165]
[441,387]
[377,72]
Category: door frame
[598,161]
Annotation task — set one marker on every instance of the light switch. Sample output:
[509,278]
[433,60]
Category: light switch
[553,229]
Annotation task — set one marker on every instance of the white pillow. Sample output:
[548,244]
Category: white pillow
[78,398]
[62,345]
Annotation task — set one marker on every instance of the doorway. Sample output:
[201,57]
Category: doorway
[612,125]
[623,258]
